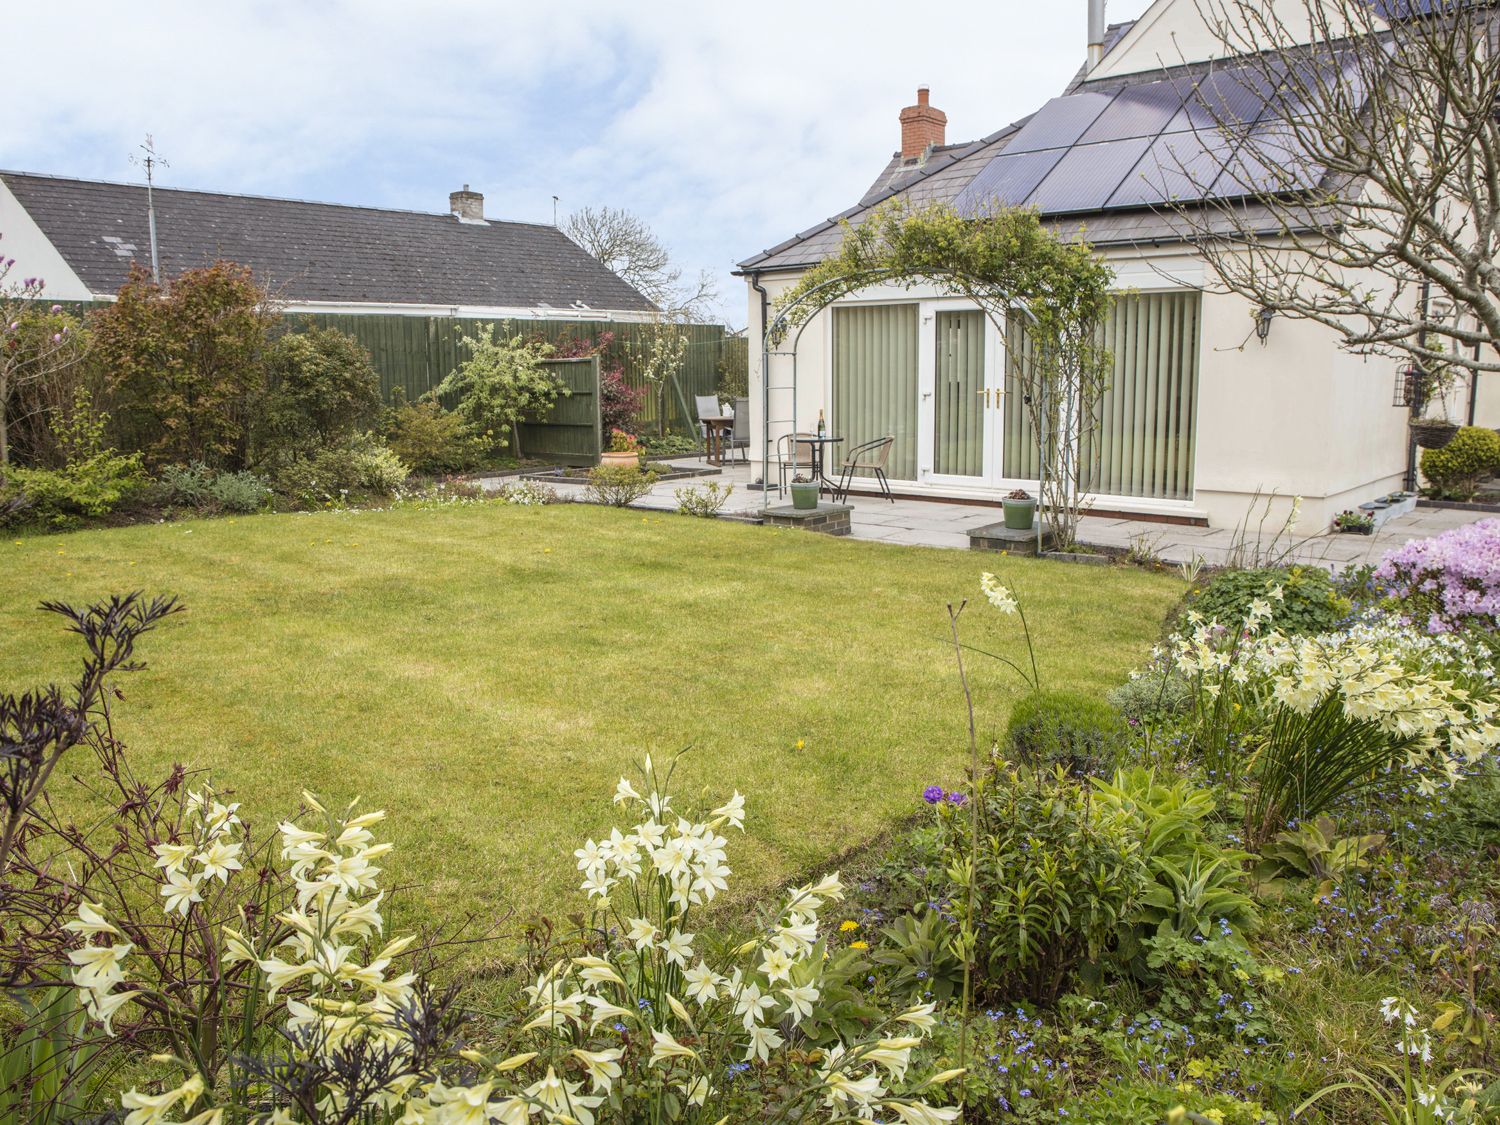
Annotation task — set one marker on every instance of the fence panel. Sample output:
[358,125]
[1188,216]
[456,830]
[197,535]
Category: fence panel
[416,353]
[569,432]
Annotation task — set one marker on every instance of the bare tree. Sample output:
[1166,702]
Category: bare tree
[624,243]
[1367,198]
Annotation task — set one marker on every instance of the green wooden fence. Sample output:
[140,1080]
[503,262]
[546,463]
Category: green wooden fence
[568,433]
[416,353]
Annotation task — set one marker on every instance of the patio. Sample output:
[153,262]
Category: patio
[929,523]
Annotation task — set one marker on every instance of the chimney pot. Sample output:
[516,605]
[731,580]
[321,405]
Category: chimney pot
[922,127]
[467,204]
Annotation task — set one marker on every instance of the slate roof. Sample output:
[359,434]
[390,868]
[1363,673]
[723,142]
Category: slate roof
[947,173]
[320,251]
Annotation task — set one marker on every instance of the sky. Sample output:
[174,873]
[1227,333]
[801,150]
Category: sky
[727,127]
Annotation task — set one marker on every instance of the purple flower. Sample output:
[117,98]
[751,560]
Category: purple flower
[57,308]
[932,794]
[957,798]
[1457,572]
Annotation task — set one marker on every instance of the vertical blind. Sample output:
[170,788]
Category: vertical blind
[1147,417]
[958,405]
[875,381]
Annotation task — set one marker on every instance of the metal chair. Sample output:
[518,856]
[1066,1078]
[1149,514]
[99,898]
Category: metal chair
[739,436]
[871,456]
[792,453]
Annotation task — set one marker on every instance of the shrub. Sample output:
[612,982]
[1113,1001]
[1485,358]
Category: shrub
[619,486]
[1083,735]
[240,492]
[431,439]
[198,486]
[94,481]
[619,402]
[1054,876]
[1456,469]
[183,360]
[703,500]
[1302,599]
[1451,581]
[362,465]
[321,389]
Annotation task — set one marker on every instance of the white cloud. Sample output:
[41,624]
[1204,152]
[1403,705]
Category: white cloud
[728,127]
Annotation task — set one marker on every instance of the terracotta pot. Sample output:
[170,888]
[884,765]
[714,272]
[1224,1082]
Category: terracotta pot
[608,458]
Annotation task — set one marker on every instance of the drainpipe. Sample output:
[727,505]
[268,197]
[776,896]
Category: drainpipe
[765,379]
[1097,28]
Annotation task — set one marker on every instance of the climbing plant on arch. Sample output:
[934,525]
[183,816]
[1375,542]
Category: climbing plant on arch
[1011,266]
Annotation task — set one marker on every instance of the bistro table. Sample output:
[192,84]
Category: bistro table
[817,446]
[717,429]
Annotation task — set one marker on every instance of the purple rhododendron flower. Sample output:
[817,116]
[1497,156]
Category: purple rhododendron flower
[932,794]
[1455,575]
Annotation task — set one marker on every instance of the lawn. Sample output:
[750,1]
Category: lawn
[486,672]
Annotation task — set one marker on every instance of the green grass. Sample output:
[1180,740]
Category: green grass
[486,673]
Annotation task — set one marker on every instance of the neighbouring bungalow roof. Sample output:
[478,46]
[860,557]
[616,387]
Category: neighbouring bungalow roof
[1109,159]
[321,252]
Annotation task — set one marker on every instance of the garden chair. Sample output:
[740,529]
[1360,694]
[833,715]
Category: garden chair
[794,455]
[708,407]
[868,457]
[739,437]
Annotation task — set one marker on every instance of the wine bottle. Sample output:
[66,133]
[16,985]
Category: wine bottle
[822,427]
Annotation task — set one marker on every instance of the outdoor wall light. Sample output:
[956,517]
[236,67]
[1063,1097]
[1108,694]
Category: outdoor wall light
[1263,318]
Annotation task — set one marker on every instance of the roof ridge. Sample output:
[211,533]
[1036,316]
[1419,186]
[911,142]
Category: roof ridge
[267,198]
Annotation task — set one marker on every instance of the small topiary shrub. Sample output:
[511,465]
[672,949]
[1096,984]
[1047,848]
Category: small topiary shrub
[619,486]
[1303,599]
[1456,470]
[1083,735]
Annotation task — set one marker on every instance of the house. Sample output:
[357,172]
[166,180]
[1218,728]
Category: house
[82,237]
[1211,402]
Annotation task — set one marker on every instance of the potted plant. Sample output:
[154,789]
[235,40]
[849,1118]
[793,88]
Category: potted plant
[1354,523]
[624,449]
[804,493]
[1020,510]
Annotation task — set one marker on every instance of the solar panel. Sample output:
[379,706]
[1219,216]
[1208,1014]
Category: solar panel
[1270,160]
[1138,111]
[1088,175]
[1224,98]
[1177,166]
[1008,180]
[1060,122]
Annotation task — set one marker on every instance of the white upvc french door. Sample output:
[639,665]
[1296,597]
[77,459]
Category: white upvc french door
[961,389]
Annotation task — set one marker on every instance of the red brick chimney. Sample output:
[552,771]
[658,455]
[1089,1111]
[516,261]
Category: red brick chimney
[922,127]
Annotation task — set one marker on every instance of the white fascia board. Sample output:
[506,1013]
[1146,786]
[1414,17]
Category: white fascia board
[466,312]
